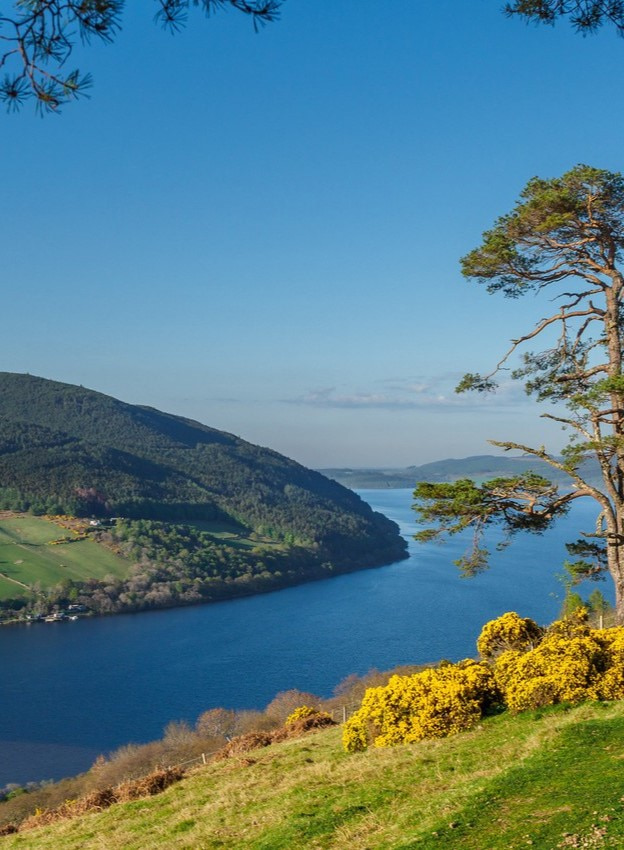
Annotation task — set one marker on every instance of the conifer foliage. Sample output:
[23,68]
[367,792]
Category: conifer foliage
[39,36]
[586,16]
[564,241]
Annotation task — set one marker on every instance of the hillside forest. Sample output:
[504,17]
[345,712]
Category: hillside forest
[195,514]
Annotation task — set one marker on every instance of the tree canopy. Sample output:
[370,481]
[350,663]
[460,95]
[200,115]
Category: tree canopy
[564,239]
[586,16]
[38,37]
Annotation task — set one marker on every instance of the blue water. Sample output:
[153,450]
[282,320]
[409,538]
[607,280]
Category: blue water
[70,691]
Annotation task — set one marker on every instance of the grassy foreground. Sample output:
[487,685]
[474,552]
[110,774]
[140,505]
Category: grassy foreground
[544,779]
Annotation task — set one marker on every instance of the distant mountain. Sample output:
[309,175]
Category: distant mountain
[479,467]
[67,449]
[371,478]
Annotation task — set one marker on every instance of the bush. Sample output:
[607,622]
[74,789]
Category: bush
[508,632]
[304,712]
[97,801]
[282,705]
[611,684]
[572,663]
[218,723]
[433,703]
[524,667]
[558,670]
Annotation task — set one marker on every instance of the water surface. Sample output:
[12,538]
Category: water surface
[73,690]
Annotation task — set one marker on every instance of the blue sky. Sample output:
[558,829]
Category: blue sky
[262,231]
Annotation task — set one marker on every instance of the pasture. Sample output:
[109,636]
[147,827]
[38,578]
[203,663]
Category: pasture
[27,556]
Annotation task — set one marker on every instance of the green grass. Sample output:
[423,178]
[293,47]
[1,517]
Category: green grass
[231,534]
[509,783]
[27,557]
[217,528]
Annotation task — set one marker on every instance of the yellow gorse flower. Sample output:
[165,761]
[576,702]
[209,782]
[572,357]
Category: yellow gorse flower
[523,667]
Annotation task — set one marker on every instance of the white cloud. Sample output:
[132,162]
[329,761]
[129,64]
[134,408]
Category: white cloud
[413,394]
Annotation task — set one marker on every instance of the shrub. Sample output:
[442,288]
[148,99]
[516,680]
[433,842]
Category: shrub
[508,632]
[430,704]
[524,667]
[218,723]
[611,684]
[572,663]
[355,733]
[303,712]
[282,705]
[558,670]
[104,798]
[318,720]
[255,740]
[244,744]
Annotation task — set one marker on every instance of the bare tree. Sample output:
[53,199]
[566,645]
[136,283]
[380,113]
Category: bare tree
[285,702]
[565,239]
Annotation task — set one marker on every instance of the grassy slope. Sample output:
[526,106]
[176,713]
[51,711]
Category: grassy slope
[510,783]
[27,557]
[229,534]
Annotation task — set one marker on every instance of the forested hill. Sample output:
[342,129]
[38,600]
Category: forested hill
[67,449]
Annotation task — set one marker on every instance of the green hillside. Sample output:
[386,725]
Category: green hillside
[211,515]
[28,556]
[546,779]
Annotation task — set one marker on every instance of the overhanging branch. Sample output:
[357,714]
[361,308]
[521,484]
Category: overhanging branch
[584,488]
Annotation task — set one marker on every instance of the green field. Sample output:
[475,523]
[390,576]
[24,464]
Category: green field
[544,779]
[231,534]
[26,556]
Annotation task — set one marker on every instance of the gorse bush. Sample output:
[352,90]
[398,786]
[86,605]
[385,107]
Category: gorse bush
[566,666]
[571,663]
[508,632]
[523,667]
[303,712]
[430,704]
[612,680]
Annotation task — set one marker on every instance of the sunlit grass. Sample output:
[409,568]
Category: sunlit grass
[508,782]
[26,556]
[230,534]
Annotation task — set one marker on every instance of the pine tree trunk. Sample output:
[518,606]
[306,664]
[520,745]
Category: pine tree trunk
[615,554]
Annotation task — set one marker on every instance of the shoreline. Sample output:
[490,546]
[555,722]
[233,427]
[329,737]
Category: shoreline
[242,594]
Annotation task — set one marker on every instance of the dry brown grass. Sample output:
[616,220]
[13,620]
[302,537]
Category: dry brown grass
[158,780]
[104,798]
[257,740]
[8,829]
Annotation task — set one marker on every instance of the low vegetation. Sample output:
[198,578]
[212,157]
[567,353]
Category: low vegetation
[432,703]
[460,761]
[548,779]
[215,730]
[522,667]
